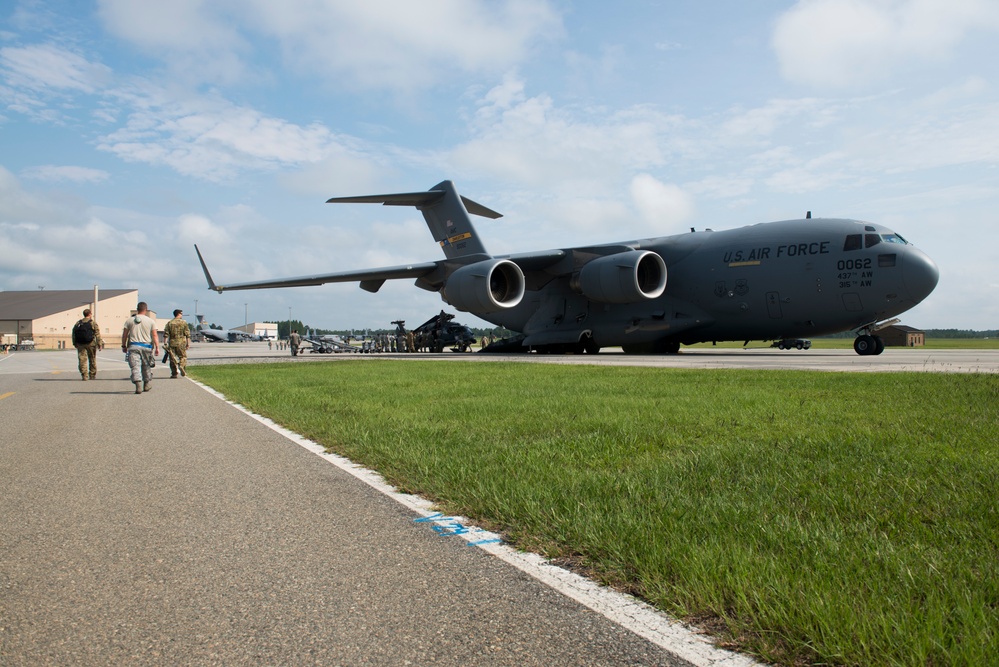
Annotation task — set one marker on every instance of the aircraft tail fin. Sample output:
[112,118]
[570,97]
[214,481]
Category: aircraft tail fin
[446,213]
[201,321]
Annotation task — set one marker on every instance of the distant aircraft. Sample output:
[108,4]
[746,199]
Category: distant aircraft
[222,335]
[770,281]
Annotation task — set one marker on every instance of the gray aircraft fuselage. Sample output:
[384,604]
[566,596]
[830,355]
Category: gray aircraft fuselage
[768,281]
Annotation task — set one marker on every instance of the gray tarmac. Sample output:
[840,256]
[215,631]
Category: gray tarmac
[754,356]
[170,528]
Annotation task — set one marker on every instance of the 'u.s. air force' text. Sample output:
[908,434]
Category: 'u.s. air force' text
[766,252]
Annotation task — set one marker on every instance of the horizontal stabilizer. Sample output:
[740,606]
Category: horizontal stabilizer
[476,208]
[417,199]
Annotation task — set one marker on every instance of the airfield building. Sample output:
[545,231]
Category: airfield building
[899,335]
[46,317]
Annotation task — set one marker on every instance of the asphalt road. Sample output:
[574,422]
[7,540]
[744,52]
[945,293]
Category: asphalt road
[169,528]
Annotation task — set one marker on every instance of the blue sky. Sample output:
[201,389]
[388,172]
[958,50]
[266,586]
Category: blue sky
[132,129]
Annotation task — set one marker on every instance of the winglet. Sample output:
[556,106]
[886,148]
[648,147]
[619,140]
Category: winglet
[208,276]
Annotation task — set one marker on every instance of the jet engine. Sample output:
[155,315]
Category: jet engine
[485,287]
[625,277]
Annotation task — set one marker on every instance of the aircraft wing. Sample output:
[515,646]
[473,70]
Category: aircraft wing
[566,260]
[537,261]
[370,279]
[539,268]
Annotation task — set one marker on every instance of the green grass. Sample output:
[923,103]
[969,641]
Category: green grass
[818,518]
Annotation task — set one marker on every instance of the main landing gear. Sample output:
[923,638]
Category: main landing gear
[866,344]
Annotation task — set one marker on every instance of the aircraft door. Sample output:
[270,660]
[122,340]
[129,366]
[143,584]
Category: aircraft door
[773,305]
[851,301]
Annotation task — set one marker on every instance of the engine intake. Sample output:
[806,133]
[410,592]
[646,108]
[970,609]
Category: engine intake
[625,277]
[485,287]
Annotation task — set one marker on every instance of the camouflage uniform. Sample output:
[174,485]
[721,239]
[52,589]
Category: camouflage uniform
[87,352]
[178,340]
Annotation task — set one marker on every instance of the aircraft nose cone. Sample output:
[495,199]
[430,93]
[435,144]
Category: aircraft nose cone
[919,275]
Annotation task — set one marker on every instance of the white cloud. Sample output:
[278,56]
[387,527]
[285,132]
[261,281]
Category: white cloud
[196,40]
[403,45]
[193,228]
[62,173]
[853,43]
[342,170]
[762,122]
[390,44]
[18,206]
[209,137]
[530,140]
[661,205]
[47,67]
[39,79]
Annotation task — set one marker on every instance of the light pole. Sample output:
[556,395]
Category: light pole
[246,319]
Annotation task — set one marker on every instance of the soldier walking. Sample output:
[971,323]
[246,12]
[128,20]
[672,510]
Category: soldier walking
[141,344]
[178,342]
[87,340]
[295,339]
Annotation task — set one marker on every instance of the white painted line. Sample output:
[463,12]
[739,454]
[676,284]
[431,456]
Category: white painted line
[625,610]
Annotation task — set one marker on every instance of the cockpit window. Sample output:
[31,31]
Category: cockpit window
[893,238]
[853,242]
[871,240]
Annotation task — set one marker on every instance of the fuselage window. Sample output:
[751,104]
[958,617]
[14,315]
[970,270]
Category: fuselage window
[871,240]
[853,242]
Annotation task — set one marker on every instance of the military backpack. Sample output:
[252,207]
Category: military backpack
[83,332]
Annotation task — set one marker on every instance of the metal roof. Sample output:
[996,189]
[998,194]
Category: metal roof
[42,303]
[905,329]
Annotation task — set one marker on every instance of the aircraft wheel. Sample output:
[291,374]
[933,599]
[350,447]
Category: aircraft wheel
[864,345]
[781,346]
[879,345]
[799,345]
[669,347]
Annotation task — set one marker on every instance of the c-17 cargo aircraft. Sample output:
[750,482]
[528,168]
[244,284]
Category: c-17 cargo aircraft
[769,281]
[221,335]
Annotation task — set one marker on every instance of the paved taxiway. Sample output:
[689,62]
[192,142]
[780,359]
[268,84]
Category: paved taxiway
[893,359]
[172,528]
